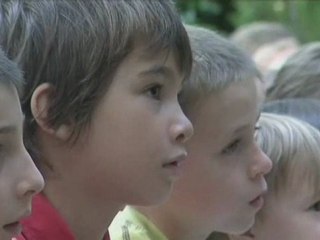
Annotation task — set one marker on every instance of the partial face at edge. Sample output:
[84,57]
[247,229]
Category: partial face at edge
[292,214]
[20,180]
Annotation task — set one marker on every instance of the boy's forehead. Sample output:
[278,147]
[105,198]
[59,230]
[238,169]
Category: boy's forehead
[156,55]
[162,62]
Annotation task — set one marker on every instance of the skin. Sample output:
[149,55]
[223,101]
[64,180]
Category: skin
[136,130]
[293,214]
[224,172]
[20,180]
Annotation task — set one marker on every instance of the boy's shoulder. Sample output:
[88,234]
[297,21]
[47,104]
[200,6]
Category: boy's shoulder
[129,224]
[45,223]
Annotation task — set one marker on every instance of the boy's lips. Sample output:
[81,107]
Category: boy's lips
[174,164]
[13,228]
[248,234]
[258,201]
[176,160]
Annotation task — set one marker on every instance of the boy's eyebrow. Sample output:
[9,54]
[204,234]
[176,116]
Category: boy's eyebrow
[158,70]
[241,128]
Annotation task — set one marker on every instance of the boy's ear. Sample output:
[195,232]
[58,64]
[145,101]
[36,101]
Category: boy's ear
[40,103]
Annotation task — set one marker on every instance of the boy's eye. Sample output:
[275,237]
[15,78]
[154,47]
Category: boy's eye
[315,206]
[257,128]
[232,147]
[155,91]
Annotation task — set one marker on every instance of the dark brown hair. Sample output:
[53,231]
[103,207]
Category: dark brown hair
[77,46]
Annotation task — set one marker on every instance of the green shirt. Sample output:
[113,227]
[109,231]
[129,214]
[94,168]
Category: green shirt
[130,224]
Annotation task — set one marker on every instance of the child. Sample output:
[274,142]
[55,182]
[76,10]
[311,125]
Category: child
[223,180]
[299,77]
[269,43]
[291,209]
[20,180]
[102,114]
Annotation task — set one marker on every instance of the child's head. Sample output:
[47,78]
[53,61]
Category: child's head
[291,209]
[306,109]
[217,64]
[299,77]
[224,178]
[102,79]
[19,178]
[254,35]
[269,43]
[78,46]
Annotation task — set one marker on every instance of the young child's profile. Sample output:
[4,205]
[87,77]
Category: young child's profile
[20,180]
[292,204]
[102,117]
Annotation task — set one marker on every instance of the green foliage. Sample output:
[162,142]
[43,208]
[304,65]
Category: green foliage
[214,14]
[301,16]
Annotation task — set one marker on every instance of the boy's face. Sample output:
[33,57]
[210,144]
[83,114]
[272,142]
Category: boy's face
[293,214]
[135,143]
[19,178]
[223,182]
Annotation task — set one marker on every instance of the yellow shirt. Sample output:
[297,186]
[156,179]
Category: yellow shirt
[130,224]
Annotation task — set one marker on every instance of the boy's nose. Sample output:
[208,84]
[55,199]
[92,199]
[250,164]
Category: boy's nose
[261,165]
[32,181]
[182,129]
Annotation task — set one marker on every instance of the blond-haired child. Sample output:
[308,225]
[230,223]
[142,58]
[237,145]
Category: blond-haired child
[223,180]
[102,117]
[292,204]
[20,180]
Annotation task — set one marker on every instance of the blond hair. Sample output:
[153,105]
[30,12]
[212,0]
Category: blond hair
[217,63]
[293,147]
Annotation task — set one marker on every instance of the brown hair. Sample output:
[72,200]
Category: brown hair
[77,45]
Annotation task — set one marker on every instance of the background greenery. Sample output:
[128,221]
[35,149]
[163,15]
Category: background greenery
[301,16]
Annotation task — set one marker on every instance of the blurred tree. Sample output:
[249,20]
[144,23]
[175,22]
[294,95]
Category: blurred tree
[214,14]
[301,16]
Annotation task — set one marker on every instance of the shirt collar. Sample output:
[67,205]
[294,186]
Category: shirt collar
[45,223]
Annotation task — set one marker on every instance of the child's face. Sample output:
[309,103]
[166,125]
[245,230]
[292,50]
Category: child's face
[19,178]
[293,214]
[137,135]
[223,182]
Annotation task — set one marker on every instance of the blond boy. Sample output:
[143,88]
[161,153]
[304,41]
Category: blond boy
[292,205]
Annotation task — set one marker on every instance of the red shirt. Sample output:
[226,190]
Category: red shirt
[45,223]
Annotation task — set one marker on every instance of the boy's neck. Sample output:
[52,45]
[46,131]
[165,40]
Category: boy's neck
[86,215]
